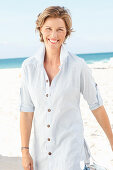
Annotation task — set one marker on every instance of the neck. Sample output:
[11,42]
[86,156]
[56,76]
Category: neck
[52,56]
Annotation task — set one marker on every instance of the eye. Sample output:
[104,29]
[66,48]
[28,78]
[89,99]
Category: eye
[60,29]
[48,28]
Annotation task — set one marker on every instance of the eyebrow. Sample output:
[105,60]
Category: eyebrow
[50,26]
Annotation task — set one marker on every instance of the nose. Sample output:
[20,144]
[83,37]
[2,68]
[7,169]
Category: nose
[54,34]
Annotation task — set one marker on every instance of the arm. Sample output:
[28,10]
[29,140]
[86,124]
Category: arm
[102,118]
[26,116]
[26,109]
[91,94]
[25,131]
[25,127]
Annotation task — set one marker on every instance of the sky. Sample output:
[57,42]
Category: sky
[92,21]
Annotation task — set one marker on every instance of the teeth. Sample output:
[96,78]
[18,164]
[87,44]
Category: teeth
[53,41]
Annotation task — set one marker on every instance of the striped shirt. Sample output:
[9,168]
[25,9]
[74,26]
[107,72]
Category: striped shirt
[58,141]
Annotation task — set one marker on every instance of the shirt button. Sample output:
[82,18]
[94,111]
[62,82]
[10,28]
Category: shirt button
[49,110]
[46,95]
[48,126]
[49,153]
[48,139]
[46,81]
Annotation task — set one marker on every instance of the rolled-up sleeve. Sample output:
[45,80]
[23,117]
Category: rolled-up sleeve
[89,88]
[26,104]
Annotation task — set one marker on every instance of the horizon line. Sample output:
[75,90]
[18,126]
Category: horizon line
[74,53]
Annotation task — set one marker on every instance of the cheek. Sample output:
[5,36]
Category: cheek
[62,36]
[45,34]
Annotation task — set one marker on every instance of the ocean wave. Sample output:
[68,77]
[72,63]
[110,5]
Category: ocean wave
[103,64]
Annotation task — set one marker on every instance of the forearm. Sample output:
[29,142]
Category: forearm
[102,118]
[25,127]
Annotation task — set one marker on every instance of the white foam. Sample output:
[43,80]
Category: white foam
[104,64]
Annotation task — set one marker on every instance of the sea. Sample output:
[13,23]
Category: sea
[90,58]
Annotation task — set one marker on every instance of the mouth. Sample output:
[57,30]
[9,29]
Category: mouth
[53,41]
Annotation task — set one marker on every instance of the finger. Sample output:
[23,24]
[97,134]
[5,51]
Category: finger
[31,166]
[27,167]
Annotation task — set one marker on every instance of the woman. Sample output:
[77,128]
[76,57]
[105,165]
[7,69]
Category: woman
[52,81]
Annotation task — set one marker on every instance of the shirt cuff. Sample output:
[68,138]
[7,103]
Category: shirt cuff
[26,109]
[95,106]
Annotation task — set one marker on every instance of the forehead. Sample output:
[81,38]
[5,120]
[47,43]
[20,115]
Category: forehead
[50,21]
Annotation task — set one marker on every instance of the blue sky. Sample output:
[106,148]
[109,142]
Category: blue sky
[92,21]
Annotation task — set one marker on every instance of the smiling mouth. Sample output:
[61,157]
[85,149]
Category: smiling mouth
[53,42]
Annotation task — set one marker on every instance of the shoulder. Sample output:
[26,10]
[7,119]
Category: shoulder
[75,59]
[35,59]
[29,62]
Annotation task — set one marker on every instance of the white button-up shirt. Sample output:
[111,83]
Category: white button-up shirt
[59,142]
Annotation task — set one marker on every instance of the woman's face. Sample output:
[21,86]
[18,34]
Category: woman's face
[53,32]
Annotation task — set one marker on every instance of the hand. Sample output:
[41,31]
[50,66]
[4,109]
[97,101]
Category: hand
[27,161]
[112,147]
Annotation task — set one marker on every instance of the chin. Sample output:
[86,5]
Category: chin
[53,46]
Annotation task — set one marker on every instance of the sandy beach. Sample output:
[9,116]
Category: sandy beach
[10,163]
[10,154]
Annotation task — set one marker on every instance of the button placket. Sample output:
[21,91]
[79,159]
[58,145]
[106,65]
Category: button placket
[48,103]
[48,112]
[50,142]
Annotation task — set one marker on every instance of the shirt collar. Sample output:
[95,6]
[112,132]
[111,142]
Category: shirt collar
[41,53]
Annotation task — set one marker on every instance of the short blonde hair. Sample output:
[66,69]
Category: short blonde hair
[54,12]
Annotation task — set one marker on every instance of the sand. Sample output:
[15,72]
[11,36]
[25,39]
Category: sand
[10,154]
[10,163]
